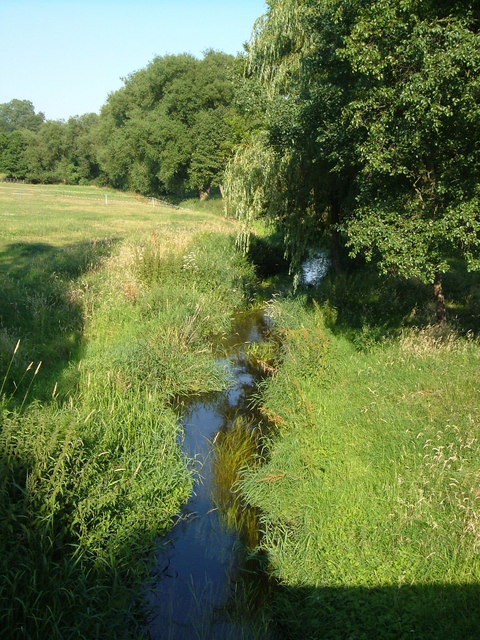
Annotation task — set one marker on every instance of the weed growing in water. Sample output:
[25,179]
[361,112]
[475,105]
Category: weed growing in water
[235,449]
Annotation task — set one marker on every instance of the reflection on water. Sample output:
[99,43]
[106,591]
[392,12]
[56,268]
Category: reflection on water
[315,267]
[203,573]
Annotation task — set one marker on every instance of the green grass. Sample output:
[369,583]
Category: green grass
[49,241]
[369,488]
[120,303]
[66,215]
[370,495]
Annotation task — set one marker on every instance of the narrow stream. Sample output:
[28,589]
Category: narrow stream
[201,570]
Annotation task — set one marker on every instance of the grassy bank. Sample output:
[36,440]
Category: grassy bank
[370,494]
[120,304]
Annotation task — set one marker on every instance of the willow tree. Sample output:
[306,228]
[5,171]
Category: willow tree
[371,129]
[293,170]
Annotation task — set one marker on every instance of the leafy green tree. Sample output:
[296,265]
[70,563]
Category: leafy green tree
[45,151]
[112,141]
[12,154]
[417,110]
[151,129]
[17,120]
[371,131]
[293,169]
[79,163]
[19,114]
[214,136]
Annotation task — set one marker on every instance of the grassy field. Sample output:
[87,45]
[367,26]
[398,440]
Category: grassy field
[107,313]
[370,489]
[368,483]
[51,236]
[65,215]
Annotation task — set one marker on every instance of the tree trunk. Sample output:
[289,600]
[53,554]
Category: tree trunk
[222,190]
[204,193]
[335,242]
[440,308]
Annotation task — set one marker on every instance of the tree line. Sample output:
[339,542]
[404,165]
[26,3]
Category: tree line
[169,129]
[349,122]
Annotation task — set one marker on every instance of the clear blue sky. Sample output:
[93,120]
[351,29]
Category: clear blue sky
[67,56]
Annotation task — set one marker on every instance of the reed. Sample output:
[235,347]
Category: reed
[7,372]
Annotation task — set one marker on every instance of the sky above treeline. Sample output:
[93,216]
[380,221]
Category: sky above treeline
[66,56]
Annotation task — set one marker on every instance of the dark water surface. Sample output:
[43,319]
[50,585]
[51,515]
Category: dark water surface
[202,568]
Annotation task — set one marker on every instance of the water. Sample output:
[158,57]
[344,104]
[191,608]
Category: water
[202,569]
[315,267]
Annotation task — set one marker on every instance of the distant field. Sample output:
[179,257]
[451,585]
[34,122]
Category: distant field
[65,215]
[50,235]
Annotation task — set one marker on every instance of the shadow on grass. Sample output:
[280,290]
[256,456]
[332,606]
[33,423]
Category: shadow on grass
[214,204]
[361,300]
[38,305]
[267,254]
[275,611]
[366,306]
[262,608]
[423,612]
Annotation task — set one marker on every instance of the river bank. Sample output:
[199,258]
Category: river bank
[369,497]
[91,471]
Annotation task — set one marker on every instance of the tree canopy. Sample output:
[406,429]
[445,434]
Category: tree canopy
[371,131]
[170,128]
[167,129]
[19,114]
[349,123]
[57,152]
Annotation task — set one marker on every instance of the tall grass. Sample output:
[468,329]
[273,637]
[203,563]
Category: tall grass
[369,498]
[91,470]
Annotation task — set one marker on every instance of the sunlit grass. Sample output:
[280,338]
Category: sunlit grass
[372,481]
[119,303]
[61,216]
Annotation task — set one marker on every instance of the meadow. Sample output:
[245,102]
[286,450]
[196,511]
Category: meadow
[369,485]
[64,215]
[108,313]
[365,480]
